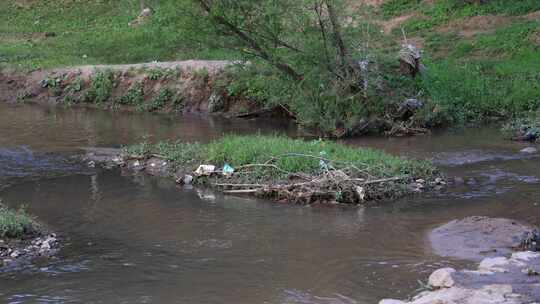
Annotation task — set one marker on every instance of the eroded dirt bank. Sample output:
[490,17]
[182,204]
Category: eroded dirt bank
[182,86]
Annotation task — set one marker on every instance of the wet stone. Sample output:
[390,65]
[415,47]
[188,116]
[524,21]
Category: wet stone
[529,150]
[475,238]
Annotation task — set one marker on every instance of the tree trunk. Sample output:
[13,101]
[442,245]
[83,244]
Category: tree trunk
[336,28]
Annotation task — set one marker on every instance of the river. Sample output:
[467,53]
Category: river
[133,239]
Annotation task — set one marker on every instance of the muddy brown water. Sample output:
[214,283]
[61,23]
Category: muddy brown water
[142,240]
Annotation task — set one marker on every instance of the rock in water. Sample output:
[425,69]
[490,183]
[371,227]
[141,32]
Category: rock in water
[529,150]
[442,278]
[475,238]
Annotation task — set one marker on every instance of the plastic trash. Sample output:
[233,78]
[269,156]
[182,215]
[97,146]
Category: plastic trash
[322,163]
[205,170]
[228,170]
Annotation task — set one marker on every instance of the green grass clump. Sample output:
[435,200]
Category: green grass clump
[164,96]
[101,87]
[134,96]
[15,223]
[290,155]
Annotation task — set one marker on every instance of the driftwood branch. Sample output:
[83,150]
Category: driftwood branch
[248,191]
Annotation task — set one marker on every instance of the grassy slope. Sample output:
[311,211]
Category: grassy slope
[92,32]
[495,73]
[491,72]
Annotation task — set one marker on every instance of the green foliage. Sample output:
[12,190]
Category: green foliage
[469,92]
[75,86]
[53,84]
[510,40]
[97,32]
[443,11]
[493,75]
[155,74]
[392,8]
[15,223]
[101,87]
[140,149]
[291,155]
[164,96]
[503,7]
[180,152]
[134,96]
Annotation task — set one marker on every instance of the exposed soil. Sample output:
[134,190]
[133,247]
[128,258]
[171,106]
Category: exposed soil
[468,28]
[192,85]
[393,23]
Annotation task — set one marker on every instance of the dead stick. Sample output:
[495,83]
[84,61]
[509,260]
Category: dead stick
[247,191]
[262,165]
[383,180]
[239,185]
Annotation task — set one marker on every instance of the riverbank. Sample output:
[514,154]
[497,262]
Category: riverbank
[481,64]
[279,168]
[166,87]
[23,239]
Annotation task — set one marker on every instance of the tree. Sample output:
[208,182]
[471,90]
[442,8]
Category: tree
[279,31]
[310,46]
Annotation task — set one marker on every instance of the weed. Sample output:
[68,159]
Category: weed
[134,96]
[164,96]
[15,223]
[101,87]
[155,74]
[53,84]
